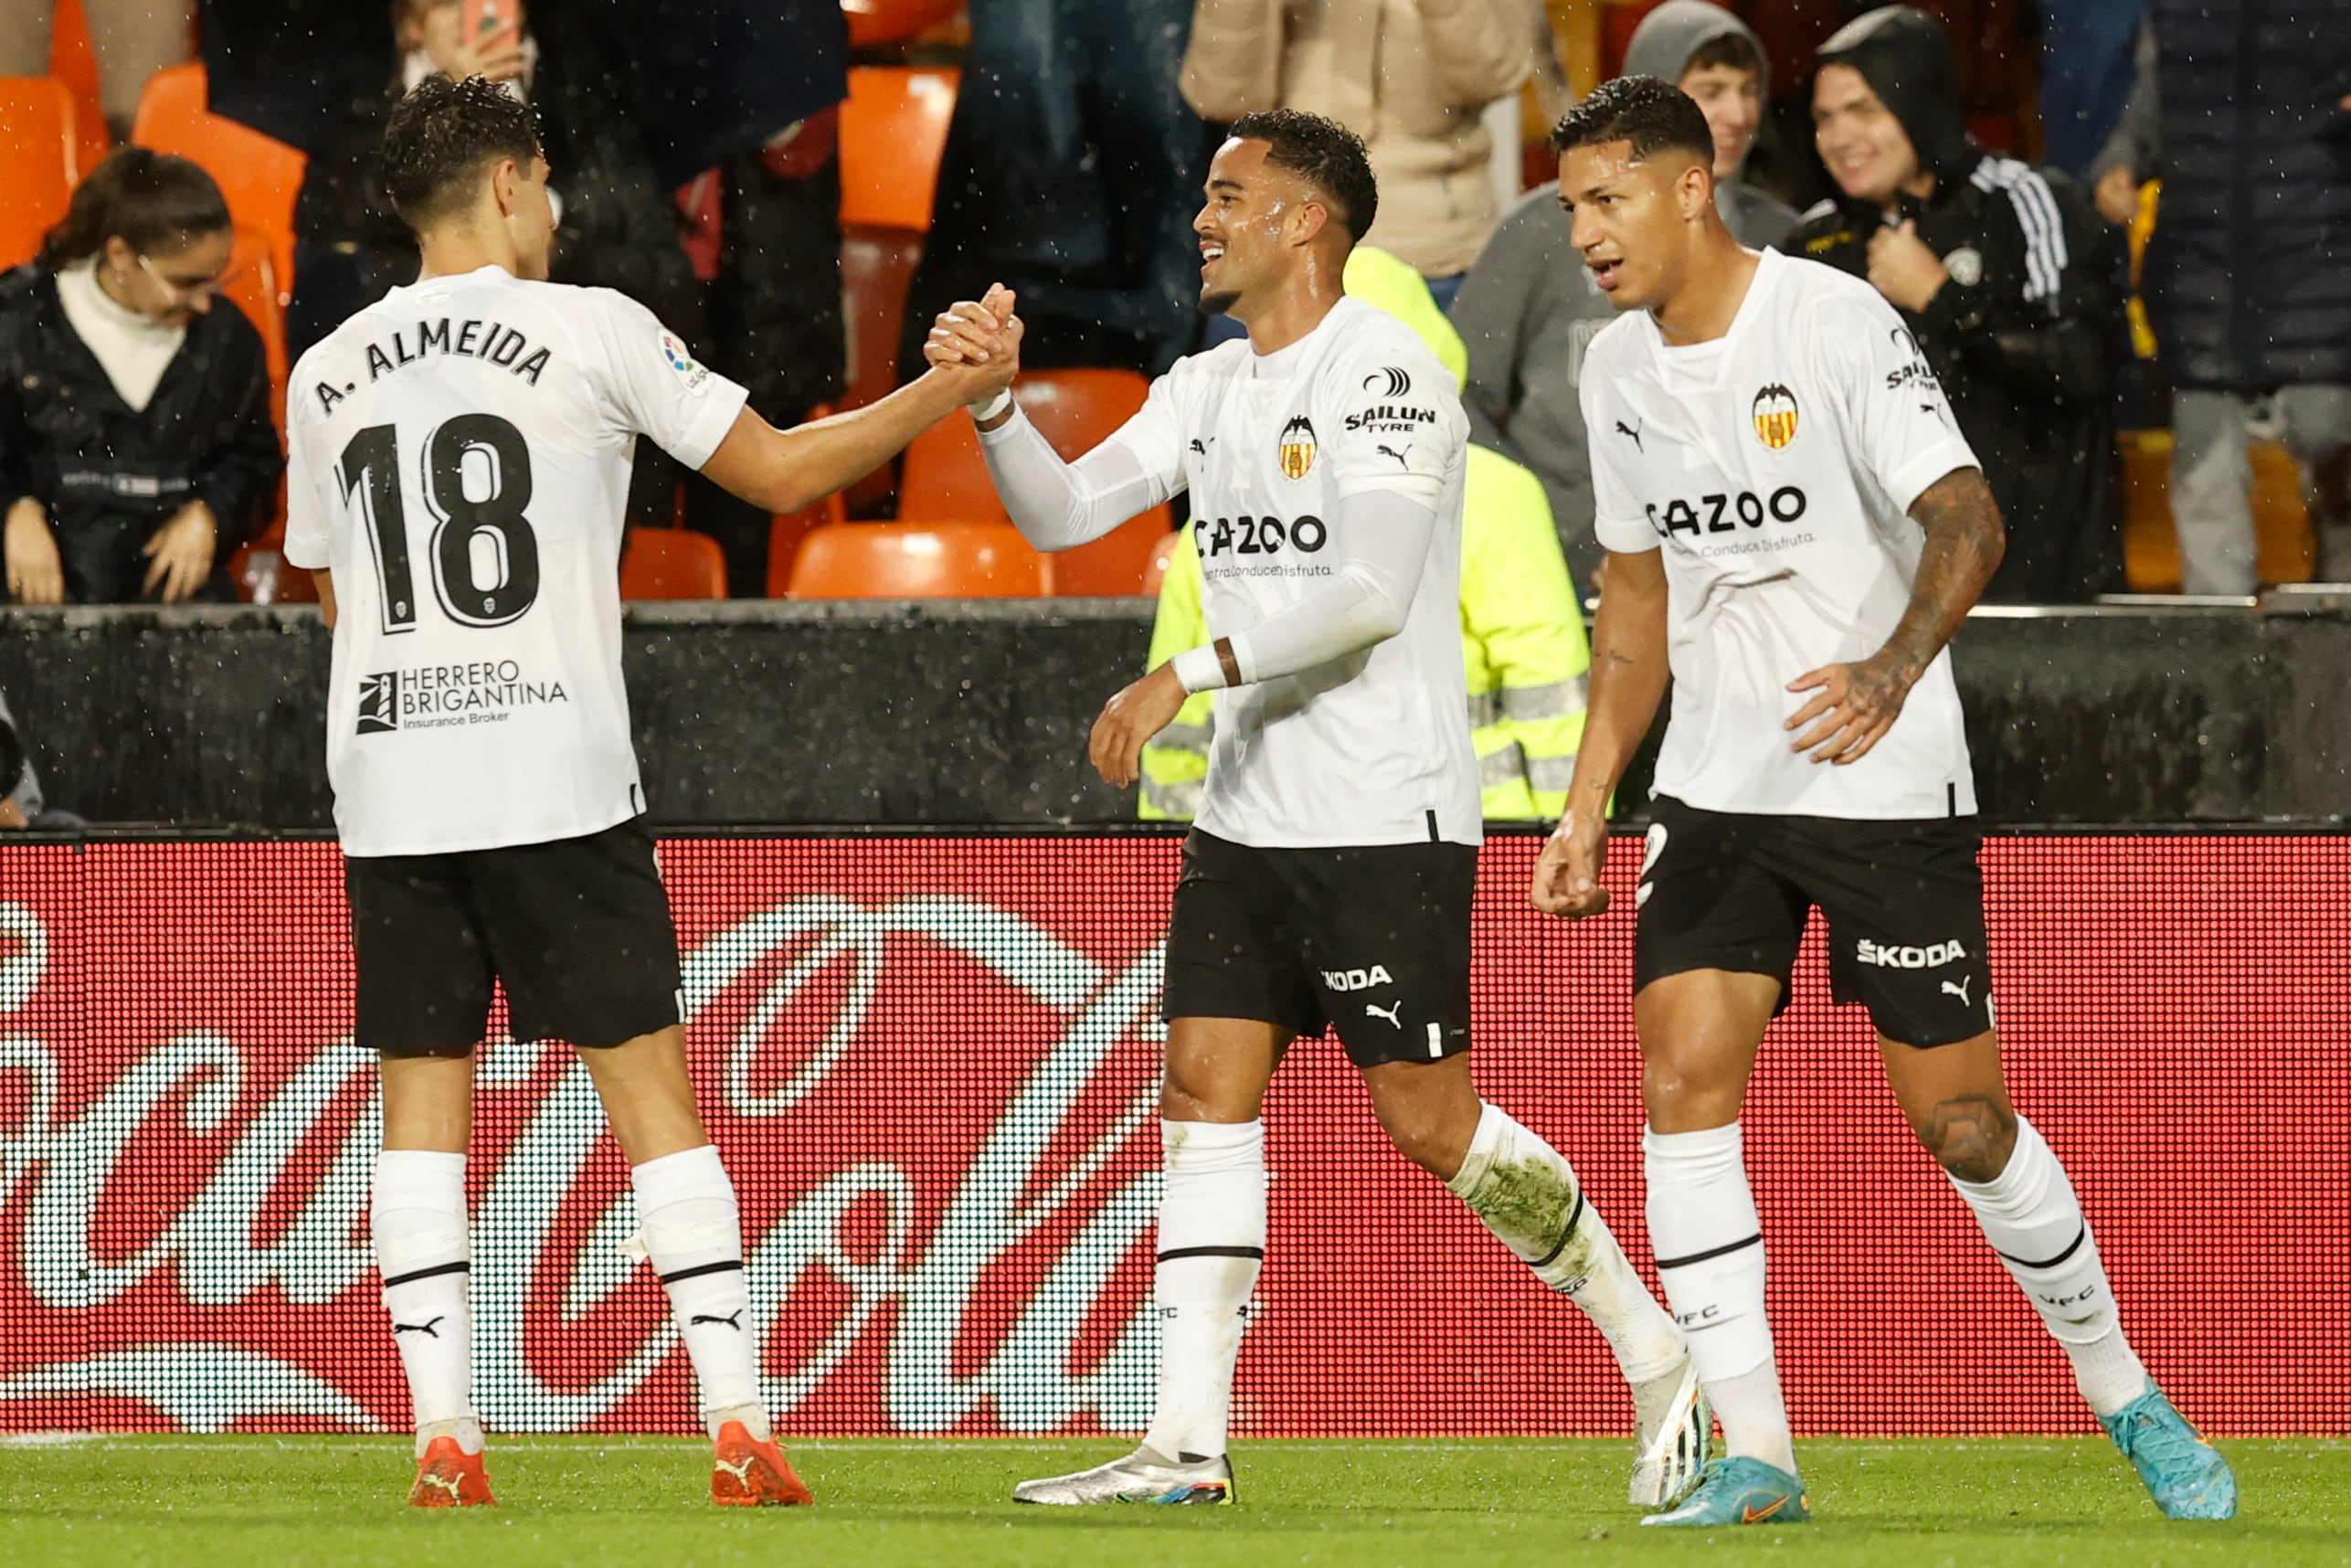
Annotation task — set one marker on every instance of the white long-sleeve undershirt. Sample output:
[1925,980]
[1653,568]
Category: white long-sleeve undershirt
[1382,540]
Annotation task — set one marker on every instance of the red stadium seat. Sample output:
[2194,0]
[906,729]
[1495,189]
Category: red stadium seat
[39,161]
[919,561]
[1075,409]
[259,174]
[887,21]
[672,563]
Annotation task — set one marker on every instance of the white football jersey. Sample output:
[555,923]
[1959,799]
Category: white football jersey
[459,456]
[1372,748]
[1775,467]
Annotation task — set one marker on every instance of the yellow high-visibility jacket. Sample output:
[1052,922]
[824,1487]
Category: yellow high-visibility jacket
[1522,641]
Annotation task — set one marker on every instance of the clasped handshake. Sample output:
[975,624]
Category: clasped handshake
[978,343]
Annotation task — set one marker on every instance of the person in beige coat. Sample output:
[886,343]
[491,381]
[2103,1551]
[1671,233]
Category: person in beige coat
[1411,77]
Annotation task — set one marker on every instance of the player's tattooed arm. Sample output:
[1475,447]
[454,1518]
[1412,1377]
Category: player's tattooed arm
[1853,705]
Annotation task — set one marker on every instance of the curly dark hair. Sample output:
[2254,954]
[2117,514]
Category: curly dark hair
[1648,111]
[1328,156]
[444,137]
[156,203]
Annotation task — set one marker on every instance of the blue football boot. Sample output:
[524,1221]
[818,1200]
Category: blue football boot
[1740,1492]
[2185,1475]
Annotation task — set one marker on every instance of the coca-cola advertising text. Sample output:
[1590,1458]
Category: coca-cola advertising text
[931,1065]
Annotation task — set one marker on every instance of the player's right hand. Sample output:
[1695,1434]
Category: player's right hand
[1567,876]
[981,337]
[36,573]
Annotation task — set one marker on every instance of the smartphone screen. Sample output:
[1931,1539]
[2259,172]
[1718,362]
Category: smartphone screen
[491,15]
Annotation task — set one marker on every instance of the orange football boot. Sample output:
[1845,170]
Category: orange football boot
[746,1473]
[449,1476]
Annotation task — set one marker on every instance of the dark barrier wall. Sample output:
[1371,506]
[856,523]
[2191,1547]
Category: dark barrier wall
[932,1066]
[764,712]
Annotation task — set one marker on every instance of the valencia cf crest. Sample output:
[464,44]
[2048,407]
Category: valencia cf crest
[1297,448]
[1775,417]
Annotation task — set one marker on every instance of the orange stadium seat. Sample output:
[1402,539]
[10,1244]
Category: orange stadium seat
[672,563]
[259,174]
[1075,409]
[2284,549]
[887,21]
[74,61]
[893,134]
[39,161]
[784,534]
[919,561]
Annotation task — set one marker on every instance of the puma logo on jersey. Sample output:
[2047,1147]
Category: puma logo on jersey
[429,1330]
[1392,1014]
[1357,979]
[1959,989]
[732,1319]
[1391,451]
[1633,431]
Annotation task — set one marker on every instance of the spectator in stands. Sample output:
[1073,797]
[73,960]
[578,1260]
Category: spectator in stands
[1071,175]
[1412,77]
[1530,306]
[2009,284]
[1522,641]
[136,450]
[617,229]
[133,40]
[2243,114]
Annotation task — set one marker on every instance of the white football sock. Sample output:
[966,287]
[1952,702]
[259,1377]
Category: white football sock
[693,1233]
[1527,1195]
[424,1254]
[2033,1221]
[1709,1252]
[1212,1243]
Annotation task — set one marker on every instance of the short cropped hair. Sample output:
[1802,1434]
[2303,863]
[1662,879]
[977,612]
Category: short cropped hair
[1648,111]
[1327,155]
[1734,50]
[444,137]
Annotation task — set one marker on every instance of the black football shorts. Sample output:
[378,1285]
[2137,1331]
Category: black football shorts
[577,931]
[1904,901]
[1371,941]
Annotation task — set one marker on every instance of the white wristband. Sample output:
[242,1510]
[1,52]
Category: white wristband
[1200,669]
[994,408]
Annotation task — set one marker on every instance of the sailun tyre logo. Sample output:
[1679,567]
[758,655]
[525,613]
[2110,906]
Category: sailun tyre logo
[1297,448]
[379,702]
[1388,382]
[1775,417]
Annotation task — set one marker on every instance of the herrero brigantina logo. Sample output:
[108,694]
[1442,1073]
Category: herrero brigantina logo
[432,696]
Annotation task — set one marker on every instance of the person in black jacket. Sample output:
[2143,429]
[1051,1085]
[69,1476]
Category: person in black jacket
[2244,112]
[136,450]
[2008,279]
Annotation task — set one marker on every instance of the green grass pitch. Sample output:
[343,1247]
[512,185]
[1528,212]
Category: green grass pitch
[256,1503]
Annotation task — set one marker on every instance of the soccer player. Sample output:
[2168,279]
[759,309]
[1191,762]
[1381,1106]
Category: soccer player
[1795,528]
[1327,882]
[459,469]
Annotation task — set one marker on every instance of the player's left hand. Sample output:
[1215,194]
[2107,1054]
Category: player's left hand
[1904,268]
[981,336]
[1855,706]
[1129,720]
[180,552]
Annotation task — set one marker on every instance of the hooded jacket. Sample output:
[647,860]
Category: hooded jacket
[2028,335]
[1529,308]
[109,476]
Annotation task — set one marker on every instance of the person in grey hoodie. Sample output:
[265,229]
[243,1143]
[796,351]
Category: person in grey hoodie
[1528,307]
